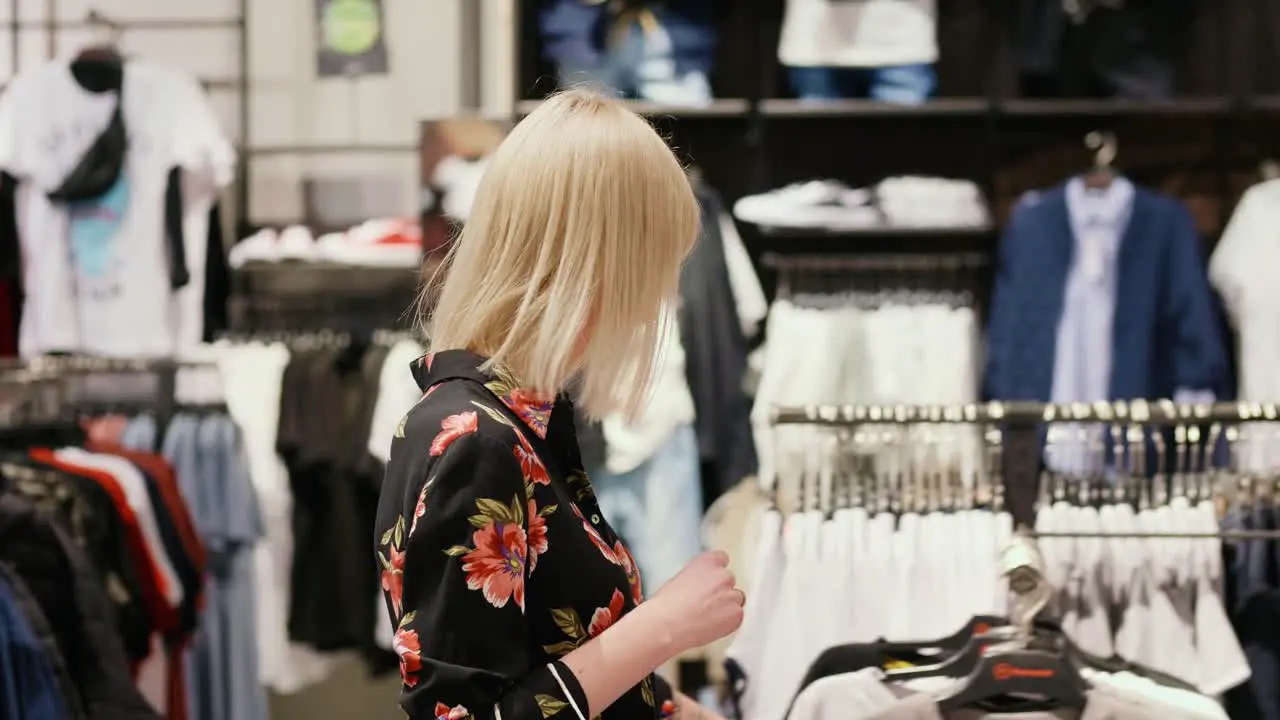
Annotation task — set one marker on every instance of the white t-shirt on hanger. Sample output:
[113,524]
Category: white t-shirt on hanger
[96,272]
[858,33]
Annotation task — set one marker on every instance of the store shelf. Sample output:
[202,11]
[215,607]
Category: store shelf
[720,108]
[1180,107]
[946,107]
[293,277]
[1267,103]
[879,232]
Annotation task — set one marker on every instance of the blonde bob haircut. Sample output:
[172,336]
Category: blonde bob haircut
[571,253]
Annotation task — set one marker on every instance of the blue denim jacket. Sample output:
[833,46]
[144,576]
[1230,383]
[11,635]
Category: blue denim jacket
[28,687]
[1166,333]
[575,32]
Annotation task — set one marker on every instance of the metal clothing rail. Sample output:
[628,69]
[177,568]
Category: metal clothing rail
[1140,412]
[1020,426]
[1224,535]
[927,263]
[83,364]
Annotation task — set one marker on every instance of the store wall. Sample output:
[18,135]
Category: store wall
[288,105]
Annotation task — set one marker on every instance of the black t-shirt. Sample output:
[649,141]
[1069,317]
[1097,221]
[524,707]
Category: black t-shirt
[326,408]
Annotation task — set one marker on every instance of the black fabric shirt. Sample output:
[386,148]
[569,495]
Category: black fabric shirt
[715,357]
[495,558]
[326,406]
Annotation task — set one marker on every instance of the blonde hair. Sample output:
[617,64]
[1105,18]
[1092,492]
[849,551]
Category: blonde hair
[573,245]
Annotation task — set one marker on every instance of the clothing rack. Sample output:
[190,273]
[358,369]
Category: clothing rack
[319,339]
[1159,412]
[824,273]
[1018,429]
[876,263]
[83,364]
[47,386]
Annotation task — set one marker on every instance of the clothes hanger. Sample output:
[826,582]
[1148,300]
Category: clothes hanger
[1104,146]
[1030,666]
[1044,675]
[100,68]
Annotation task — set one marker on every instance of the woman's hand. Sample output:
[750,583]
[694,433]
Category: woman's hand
[688,709]
[695,607]
[701,604]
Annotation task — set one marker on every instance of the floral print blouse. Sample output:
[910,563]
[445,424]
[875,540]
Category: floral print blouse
[495,558]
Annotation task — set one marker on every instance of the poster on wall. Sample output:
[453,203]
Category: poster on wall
[349,40]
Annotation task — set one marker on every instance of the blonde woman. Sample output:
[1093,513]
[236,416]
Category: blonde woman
[511,596]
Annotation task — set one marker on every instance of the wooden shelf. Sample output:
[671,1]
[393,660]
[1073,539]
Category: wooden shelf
[719,108]
[879,232]
[1180,107]
[947,107]
[1267,103]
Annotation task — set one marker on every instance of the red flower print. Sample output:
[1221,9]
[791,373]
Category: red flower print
[393,578]
[534,408]
[496,565]
[420,508]
[633,572]
[452,428]
[537,535]
[406,645]
[457,712]
[530,465]
[427,394]
[604,618]
[668,708]
[426,360]
[596,539]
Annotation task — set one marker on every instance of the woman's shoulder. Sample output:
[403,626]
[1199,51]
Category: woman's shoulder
[453,410]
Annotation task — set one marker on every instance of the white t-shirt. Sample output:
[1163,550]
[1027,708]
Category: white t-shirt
[96,272]
[858,33]
[1242,270]
[252,375]
[630,443]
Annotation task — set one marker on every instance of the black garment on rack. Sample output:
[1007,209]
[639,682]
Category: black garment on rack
[1129,51]
[67,589]
[326,409]
[1253,598]
[87,514]
[217,279]
[715,355]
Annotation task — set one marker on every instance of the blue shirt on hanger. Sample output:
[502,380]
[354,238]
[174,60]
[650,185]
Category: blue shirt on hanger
[28,686]
[1050,295]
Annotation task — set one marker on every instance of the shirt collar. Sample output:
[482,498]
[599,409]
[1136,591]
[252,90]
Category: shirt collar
[533,408]
[1109,207]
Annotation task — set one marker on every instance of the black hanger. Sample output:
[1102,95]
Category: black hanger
[1044,676]
[970,640]
[100,68]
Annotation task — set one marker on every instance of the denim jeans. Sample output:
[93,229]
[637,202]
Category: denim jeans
[657,507]
[901,84]
[641,66]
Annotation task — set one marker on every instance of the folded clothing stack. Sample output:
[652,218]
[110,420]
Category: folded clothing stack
[907,201]
[374,243]
[913,201]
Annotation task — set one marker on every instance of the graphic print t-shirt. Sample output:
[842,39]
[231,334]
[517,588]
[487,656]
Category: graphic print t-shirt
[95,271]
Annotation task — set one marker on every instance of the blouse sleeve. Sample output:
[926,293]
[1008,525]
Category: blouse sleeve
[453,578]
